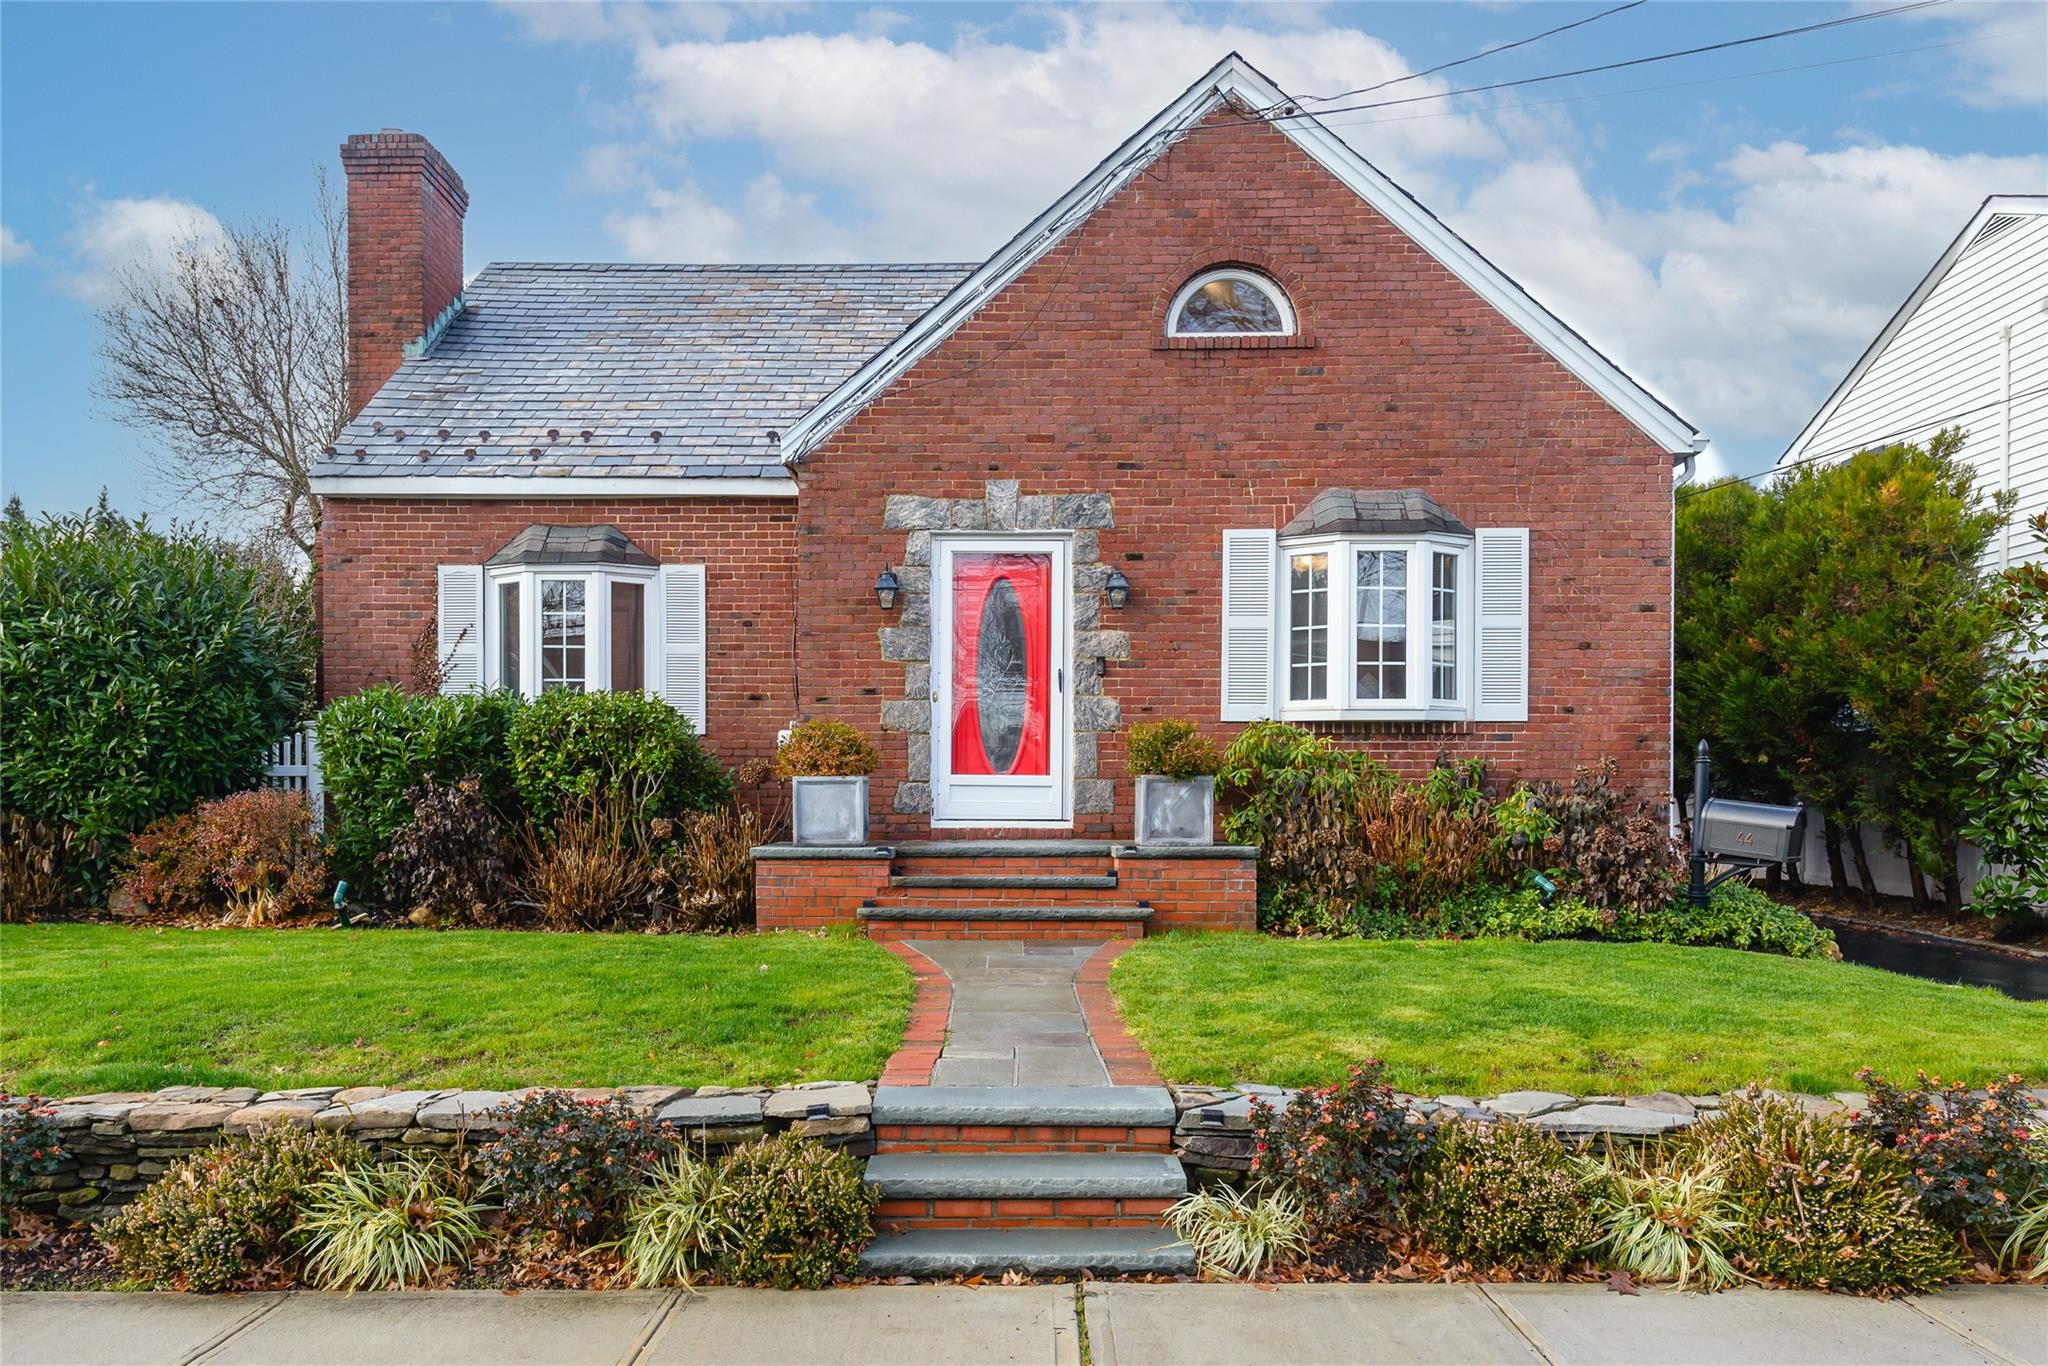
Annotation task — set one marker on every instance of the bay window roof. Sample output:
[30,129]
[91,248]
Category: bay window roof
[1371,512]
[542,544]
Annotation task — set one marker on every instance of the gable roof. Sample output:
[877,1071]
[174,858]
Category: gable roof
[1997,215]
[1235,78]
[672,369]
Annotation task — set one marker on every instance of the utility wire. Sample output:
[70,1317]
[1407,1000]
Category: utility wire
[1488,52]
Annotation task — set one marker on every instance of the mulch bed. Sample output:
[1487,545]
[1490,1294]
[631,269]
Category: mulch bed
[1898,913]
[42,1254]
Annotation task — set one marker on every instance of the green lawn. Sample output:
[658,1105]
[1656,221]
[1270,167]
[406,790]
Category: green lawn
[1483,1016]
[88,1008]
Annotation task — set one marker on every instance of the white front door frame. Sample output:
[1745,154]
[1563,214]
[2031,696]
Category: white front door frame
[975,801]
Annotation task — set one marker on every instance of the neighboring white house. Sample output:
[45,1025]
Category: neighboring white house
[1969,349]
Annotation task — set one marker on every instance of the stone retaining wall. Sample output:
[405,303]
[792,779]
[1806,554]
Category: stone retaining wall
[116,1143]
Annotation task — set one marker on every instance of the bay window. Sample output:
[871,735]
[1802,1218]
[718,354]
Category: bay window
[587,624]
[1376,627]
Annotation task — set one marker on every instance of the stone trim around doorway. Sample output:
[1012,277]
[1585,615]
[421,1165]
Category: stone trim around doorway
[909,642]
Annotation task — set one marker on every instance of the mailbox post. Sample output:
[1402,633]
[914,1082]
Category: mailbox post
[1744,834]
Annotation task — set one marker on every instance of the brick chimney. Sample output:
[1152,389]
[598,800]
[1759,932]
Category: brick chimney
[405,208]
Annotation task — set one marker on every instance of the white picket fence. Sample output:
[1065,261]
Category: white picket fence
[295,767]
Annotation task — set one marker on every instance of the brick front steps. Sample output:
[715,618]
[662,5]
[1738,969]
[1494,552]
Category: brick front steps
[1001,921]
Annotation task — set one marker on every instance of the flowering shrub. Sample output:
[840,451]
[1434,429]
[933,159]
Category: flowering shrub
[253,853]
[1348,1149]
[568,1165]
[1502,1195]
[799,1213]
[1972,1158]
[30,1146]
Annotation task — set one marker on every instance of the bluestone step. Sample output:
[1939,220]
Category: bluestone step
[1131,1107]
[1001,912]
[977,882]
[1026,1176]
[1037,1251]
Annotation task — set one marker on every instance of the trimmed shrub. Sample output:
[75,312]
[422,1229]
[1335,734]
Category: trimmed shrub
[225,1210]
[144,671]
[567,747]
[1501,1195]
[1821,1203]
[30,1146]
[825,748]
[1347,1150]
[387,1226]
[453,860]
[252,854]
[1241,1234]
[567,1165]
[1973,1158]
[377,745]
[1171,749]
[800,1213]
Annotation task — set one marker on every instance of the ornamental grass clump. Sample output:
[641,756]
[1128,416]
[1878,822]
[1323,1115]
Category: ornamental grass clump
[1972,1157]
[387,1226]
[1240,1235]
[1501,1195]
[1822,1204]
[568,1166]
[1663,1221]
[799,1212]
[227,1211]
[1347,1151]
[678,1223]
[2025,1249]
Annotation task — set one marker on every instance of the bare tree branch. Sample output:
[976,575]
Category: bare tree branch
[234,356]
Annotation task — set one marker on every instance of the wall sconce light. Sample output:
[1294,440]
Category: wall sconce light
[1119,589]
[886,588]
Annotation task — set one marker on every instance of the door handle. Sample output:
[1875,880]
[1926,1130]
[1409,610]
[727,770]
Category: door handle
[1060,681]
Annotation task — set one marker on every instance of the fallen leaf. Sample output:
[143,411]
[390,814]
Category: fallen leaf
[1621,1283]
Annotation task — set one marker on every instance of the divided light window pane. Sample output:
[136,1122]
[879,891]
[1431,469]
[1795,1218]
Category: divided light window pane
[562,635]
[1382,625]
[1443,627]
[1308,658]
[629,636]
[508,636]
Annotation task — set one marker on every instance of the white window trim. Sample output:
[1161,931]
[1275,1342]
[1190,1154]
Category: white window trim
[1341,688]
[597,580]
[1265,284]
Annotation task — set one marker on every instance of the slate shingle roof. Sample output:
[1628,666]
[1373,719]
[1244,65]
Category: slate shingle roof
[712,358]
[545,544]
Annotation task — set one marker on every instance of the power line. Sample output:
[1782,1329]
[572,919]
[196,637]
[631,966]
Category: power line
[1487,52]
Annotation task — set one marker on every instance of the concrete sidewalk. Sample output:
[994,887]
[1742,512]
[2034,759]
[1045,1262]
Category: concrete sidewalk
[1121,1325]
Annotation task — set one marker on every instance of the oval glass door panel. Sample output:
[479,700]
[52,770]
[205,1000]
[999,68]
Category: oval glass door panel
[1001,664]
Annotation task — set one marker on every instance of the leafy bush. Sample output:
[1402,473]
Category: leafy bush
[567,1165]
[677,1223]
[1666,1221]
[704,874]
[1736,916]
[144,671]
[453,859]
[33,858]
[386,1226]
[825,748]
[1972,1158]
[1501,1195]
[253,853]
[1293,794]
[1239,1234]
[224,1209]
[1821,1203]
[800,1213]
[1347,1150]
[568,747]
[1172,749]
[30,1146]
[1616,854]
[377,745]
[593,872]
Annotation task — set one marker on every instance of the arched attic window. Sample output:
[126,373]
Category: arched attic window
[1230,302]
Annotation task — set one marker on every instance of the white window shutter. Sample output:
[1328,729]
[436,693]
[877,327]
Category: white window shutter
[1250,582]
[460,608]
[680,682]
[1503,626]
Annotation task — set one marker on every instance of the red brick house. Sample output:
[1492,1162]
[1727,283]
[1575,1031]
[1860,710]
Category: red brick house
[1333,464]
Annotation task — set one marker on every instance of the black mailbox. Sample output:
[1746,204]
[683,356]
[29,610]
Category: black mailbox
[1751,832]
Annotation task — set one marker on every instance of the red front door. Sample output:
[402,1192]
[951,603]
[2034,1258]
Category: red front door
[996,754]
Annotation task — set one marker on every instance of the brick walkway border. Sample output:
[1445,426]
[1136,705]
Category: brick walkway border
[925,1035]
[1127,1061]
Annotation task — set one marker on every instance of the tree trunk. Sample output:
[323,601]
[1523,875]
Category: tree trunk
[1832,835]
[1920,901]
[1951,873]
[1862,861]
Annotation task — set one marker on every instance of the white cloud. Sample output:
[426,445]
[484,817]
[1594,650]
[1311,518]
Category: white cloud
[115,234]
[770,223]
[1743,318]
[2002,66]
[943,153]
[14,250]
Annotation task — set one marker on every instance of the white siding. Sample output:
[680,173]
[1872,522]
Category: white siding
[1944,366]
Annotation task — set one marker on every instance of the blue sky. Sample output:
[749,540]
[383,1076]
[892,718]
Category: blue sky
[1733,237]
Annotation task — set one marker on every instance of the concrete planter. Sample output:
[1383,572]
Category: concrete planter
[1179,812]
[828,810]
